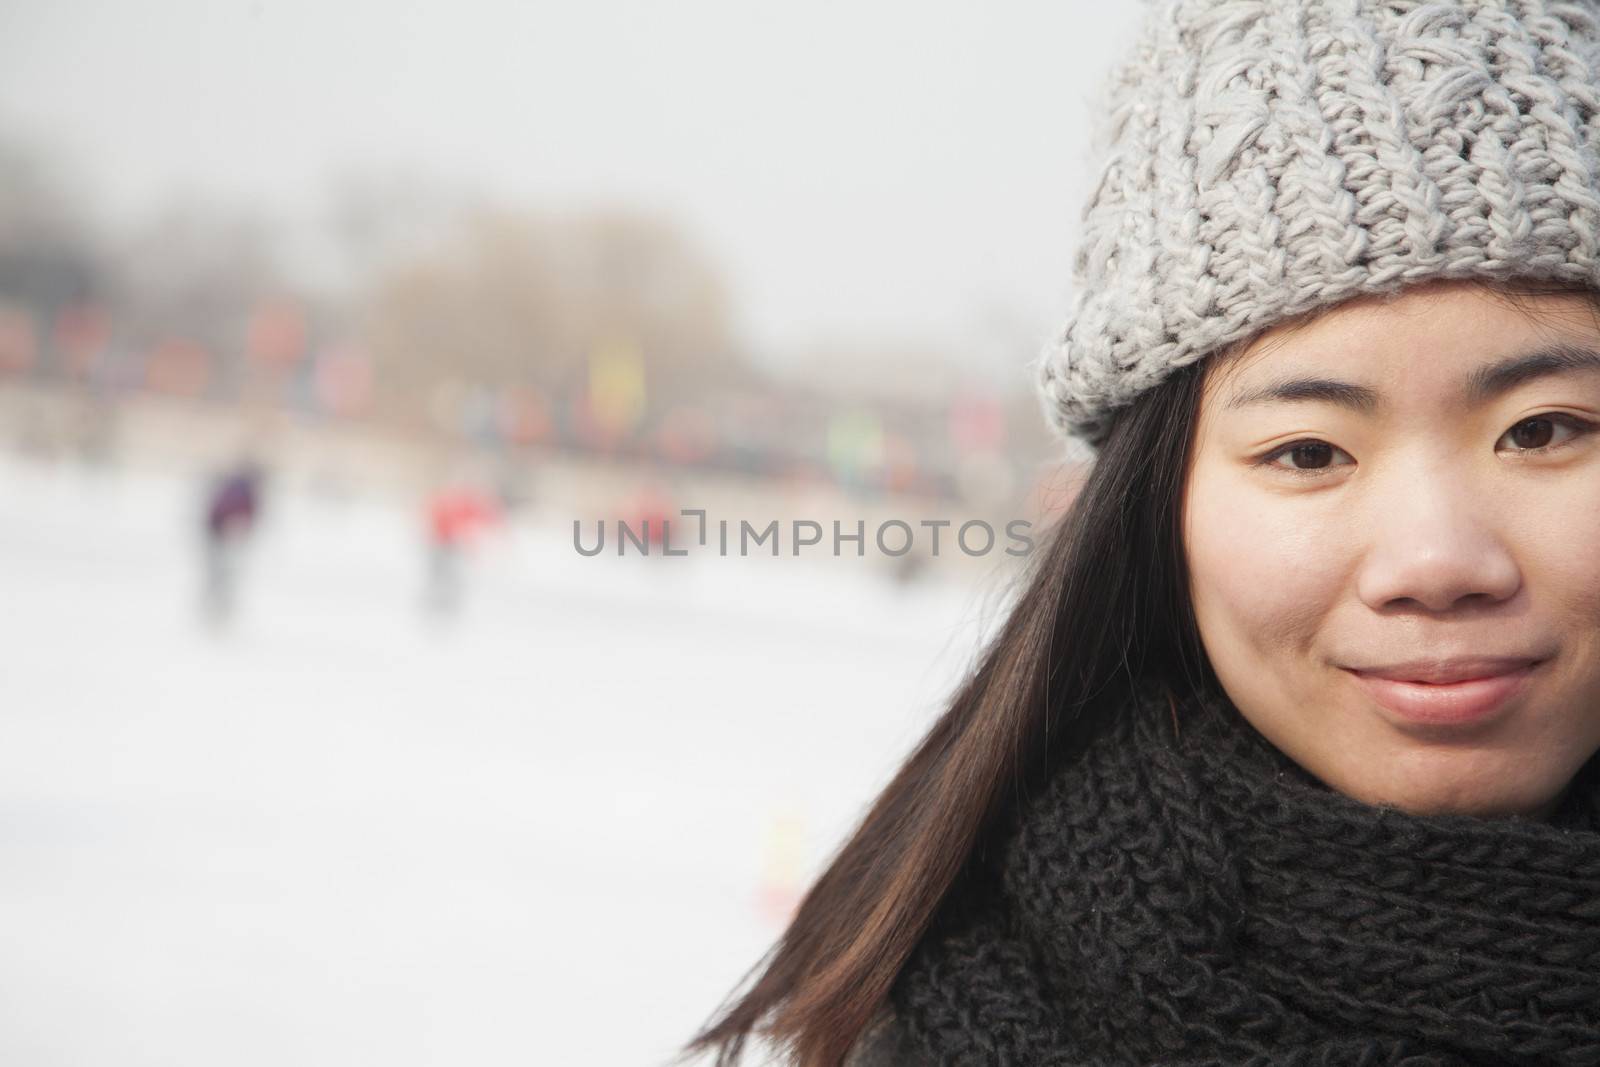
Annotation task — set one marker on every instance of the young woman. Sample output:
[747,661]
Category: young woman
[1286,753]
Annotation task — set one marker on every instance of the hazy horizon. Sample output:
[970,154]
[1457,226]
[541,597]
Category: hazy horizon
[910,173]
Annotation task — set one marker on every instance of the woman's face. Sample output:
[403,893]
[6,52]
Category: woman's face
[1404,488]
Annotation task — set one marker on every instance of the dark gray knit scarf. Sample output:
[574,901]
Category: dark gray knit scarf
[1181,892]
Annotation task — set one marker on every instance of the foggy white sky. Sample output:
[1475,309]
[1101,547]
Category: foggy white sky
[887,168]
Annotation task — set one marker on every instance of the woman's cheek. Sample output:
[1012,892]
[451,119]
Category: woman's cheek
[1264,574]
[1559,555]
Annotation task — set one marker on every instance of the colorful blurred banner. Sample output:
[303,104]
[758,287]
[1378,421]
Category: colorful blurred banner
[19,342]
[616,388]
[276,334]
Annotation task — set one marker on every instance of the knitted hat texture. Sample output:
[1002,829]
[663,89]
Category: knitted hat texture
[1262,158]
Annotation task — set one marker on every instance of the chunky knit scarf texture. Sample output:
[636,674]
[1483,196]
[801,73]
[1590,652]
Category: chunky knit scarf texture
[1181,892]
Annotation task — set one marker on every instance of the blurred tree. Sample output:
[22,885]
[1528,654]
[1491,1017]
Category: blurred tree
[48,261]
[196,273]
[523,300]
[39,208]
[378,219]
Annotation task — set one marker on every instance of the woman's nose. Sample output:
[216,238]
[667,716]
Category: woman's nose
[1436,542]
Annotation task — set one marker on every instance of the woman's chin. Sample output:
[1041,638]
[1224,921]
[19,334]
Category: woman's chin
[1480,784]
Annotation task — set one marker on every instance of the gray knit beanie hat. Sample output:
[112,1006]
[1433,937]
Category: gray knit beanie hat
[1262,158]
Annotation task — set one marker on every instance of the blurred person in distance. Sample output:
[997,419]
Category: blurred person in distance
[232,511]
[456,514]
[650,511]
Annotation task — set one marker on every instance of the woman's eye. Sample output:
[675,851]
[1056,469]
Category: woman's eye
[1305,457]
[1538,433]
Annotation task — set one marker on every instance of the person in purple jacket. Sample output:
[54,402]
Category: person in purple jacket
[232,510]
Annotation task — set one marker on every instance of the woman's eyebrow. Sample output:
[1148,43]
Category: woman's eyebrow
[1483,384]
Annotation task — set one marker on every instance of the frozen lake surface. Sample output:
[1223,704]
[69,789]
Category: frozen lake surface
[553,830]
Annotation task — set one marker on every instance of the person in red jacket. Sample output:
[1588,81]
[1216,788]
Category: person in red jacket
[456,515]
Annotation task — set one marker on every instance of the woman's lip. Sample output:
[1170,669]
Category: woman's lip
[1447,704]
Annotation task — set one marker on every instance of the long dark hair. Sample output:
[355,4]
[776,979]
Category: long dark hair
[1102,604]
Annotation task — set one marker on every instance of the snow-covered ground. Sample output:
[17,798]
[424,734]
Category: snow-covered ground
[554,830]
